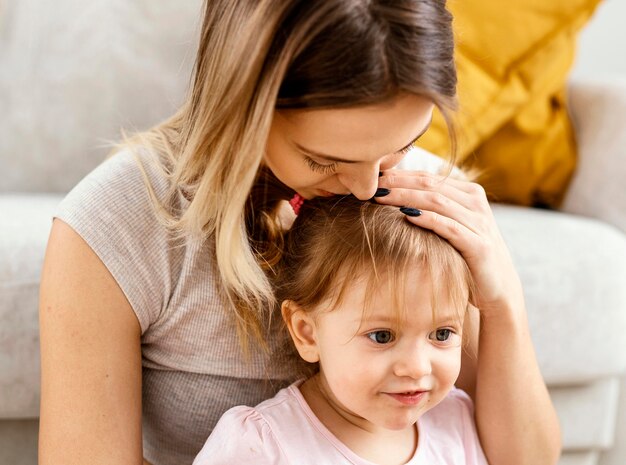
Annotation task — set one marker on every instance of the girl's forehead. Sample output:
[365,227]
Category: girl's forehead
[398,298]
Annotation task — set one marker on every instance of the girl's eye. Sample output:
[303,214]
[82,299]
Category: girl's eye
[381,337]
[442,334]
[318,167]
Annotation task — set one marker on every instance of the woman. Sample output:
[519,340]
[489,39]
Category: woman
[154,295]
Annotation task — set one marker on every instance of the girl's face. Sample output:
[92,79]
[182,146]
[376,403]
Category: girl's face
[340,151]
[376,375]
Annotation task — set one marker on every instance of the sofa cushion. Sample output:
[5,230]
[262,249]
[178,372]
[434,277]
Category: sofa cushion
[573,270]
[513,58]
[18,442]
[597,189]
[26,222]
[587,413]
[617,454]
[587,457]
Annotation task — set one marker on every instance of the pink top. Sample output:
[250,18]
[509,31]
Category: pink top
[284,430]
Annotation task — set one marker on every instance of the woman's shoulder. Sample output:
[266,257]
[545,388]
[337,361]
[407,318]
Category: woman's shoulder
[119,202]
[114,210]
[120,184]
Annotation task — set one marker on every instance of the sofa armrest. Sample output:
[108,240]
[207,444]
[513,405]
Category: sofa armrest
[598,188]
[24,230]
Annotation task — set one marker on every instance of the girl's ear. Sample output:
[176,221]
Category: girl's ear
[302,329]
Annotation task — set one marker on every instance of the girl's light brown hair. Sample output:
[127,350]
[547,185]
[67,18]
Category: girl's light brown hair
[256,56]
[336,242]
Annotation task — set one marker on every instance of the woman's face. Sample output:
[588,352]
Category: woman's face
[340,151]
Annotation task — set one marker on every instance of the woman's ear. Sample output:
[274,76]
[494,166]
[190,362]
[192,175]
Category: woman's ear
[302,329]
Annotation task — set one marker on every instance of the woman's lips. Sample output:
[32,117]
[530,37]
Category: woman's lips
[408,398]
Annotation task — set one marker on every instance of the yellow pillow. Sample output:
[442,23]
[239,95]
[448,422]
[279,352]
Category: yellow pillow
[513,58]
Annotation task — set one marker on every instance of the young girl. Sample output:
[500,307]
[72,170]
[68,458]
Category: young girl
[379,306]
[155,307]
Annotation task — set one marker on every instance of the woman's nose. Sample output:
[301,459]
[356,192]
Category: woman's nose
[413,362]
[361,180]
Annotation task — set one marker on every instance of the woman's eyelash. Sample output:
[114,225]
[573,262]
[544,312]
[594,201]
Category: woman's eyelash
[330,168]
[315,166]
[408,148]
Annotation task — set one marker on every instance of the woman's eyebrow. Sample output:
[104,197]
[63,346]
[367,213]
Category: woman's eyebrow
[343,160]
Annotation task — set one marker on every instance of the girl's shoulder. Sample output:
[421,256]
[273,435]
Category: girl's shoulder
[241,436]
[460,399]
[456,408]
[449,430]
[279,430]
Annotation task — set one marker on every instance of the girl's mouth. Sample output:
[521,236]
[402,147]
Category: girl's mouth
[409,397]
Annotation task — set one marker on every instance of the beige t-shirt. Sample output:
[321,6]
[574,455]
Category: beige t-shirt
[193,367]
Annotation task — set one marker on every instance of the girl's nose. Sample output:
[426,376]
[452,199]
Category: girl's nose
[361,180]
[413,362]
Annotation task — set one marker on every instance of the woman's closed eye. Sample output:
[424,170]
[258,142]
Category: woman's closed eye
[332,167]
[408,148]
[381,336]
[319,167]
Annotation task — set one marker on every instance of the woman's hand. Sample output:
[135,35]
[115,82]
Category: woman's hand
[458,211]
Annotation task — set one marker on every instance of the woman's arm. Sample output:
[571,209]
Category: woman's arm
[515,417]
[90,360]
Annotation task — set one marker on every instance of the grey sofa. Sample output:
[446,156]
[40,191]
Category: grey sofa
[69,81]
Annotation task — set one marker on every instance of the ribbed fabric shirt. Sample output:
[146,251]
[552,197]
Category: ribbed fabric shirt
[193,366]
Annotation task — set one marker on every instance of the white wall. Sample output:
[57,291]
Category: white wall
[602,44]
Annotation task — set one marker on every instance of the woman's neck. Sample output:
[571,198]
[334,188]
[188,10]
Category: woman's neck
[377,445]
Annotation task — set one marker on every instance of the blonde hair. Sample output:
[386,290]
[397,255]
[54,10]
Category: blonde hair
[256,56]
[335,242]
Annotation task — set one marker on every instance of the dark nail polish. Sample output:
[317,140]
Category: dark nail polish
[381,192]
[408,211]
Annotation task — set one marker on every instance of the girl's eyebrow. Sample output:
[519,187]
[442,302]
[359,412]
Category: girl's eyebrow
[449,319]
[381,318]
[343,160]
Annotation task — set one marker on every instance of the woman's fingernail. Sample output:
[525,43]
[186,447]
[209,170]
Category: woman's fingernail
[408,211]
[381,192]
